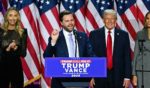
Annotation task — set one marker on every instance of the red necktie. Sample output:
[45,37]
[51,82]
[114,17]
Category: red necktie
[109,51]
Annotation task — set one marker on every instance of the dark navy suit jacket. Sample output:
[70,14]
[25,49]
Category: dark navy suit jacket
[121,52]
[60,48]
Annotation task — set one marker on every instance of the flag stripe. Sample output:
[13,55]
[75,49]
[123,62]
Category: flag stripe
[26,69]
[78,25]
[56,14]
[33,55]
[52,20]
[32,22]
[132,20]
[80,19]
[129,26]
[91,19]
[140,16]
[90,25]
[134,10]
[44,32]
[47,24]
[43,43]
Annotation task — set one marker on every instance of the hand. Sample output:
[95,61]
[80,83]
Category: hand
[54,36]
[134,80]
[12,45]
[126,83]
[92,83]
[15,48]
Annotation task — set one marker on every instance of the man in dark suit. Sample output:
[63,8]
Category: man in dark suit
[67,43]
[113,44]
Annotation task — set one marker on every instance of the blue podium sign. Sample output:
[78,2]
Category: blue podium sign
[75,67]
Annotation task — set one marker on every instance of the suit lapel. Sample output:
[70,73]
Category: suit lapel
[79,41]
[103,42]
[63,44]
[116,37]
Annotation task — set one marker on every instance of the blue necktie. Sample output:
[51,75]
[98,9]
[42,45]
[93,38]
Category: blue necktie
[72,45]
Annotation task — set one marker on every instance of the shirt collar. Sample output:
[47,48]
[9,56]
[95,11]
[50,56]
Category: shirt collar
[112,30]
[66,32]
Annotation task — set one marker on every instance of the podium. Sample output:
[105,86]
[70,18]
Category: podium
[77,69]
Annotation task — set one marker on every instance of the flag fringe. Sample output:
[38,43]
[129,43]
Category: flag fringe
[32,80]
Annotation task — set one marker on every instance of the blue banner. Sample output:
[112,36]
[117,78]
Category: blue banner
[75,67]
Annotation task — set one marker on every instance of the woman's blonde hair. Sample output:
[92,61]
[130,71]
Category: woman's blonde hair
[5,25]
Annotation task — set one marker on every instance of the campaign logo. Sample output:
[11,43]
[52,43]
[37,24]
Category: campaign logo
[75,67]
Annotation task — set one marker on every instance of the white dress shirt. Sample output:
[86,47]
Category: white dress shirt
[68,44]
[112,36]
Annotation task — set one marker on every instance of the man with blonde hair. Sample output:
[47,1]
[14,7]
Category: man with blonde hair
[113,44]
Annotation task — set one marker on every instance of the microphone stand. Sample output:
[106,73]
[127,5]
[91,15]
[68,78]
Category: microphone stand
[75,47]
[142,53]
[75,34]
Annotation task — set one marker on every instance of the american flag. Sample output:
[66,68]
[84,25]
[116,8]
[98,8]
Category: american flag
[127,19]
[94,12]
[1,13]
[40,17]
[142,8]
[78,8]
[48,20]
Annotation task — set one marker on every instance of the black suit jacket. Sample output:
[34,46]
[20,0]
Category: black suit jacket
[121,52]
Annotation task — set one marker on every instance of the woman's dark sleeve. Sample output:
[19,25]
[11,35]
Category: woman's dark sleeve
[23,43]
[1,33]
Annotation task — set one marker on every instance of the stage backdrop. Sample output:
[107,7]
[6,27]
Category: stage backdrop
[40,17]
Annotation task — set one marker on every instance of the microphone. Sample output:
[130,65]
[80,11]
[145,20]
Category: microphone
[75,34]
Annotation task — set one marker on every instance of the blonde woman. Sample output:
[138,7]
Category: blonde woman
[13,46]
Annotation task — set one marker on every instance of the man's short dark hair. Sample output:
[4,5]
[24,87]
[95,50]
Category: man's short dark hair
[63,13]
